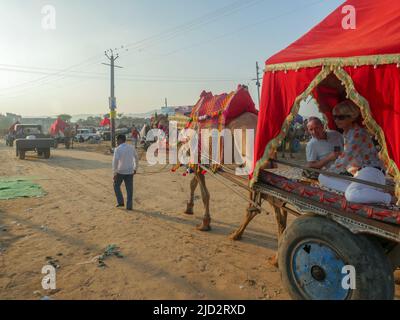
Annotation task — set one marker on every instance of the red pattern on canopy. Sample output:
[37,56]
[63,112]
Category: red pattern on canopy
[365,60]
[216,111]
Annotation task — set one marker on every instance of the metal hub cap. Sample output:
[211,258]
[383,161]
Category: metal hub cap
[317,270]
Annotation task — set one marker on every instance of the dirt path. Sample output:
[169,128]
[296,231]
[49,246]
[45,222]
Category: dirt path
[165,257]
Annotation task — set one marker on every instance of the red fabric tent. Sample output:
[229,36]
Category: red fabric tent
[105,122]
[332,63]
[57,127]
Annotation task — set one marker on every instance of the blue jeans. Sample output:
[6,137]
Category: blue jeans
[128,180]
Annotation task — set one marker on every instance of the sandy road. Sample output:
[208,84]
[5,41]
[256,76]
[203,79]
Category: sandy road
[165,257]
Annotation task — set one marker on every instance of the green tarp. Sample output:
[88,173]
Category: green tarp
[19,188]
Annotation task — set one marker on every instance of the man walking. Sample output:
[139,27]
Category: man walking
[125,164]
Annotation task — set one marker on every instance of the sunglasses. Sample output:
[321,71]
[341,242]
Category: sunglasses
[342,117]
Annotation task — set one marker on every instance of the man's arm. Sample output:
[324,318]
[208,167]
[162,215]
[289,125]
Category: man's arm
[115,161]
[323,162]
[312,157]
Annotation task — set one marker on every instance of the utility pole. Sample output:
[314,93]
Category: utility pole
[112,100]
[258,83]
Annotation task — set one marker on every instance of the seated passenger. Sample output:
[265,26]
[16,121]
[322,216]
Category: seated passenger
[360,158]
[325,145]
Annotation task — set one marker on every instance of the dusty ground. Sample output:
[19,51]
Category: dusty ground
[164,256]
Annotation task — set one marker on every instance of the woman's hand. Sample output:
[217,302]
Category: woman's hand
[333,156]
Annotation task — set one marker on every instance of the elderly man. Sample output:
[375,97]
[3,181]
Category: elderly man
[324,147]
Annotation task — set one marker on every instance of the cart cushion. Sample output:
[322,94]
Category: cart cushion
[335,200]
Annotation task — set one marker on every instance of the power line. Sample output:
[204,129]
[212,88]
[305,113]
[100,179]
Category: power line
[126,78]
[83,74]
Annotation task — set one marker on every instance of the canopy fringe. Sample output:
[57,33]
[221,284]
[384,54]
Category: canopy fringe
[333,63]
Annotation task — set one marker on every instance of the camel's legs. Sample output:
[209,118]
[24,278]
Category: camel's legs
[281,219]
[205,225]
[252,212]
[193,185]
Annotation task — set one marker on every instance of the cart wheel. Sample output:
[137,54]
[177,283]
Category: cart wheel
[313,252]
[21,154]
[46,153]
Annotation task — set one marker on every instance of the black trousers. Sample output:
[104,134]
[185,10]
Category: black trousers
[128,180]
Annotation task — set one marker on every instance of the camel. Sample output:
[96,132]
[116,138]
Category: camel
[295,132]
[245,121]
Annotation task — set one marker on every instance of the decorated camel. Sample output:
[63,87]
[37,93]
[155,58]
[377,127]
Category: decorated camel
[233,111]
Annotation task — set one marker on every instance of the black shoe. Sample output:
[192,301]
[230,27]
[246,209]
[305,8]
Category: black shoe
[120,205]
[129,209]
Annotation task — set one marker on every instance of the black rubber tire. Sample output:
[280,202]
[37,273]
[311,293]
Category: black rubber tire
[40,153]
[46,153]
[21,154]
[81,140]
[374,275]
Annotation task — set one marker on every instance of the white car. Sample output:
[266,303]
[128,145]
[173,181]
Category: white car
[83,135]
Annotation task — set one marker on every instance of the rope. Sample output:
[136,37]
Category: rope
[234,191]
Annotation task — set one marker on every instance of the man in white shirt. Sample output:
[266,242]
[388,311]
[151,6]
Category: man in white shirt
[324,147]
[125,164]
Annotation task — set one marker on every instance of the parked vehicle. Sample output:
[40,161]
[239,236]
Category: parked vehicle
[106,134]
[84,135]
[31,138]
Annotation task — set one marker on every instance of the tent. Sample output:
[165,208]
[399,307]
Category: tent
[57,127]
[331,63]
[105,122]
[216,111]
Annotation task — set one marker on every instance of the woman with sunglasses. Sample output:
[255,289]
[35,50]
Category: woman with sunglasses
[359,158]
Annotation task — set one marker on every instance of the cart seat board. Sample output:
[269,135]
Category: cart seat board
[334,200]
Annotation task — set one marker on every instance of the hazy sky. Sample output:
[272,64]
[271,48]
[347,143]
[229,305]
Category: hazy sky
[177,48]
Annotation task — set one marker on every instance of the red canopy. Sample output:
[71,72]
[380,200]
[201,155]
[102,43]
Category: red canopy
[212,111]
[332,63]
[105,122]
[58,126]
[377,33]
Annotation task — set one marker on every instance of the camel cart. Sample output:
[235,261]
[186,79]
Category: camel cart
[62,133]
[333,249]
